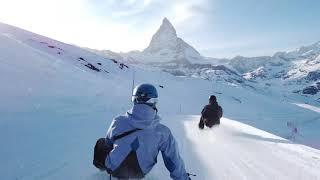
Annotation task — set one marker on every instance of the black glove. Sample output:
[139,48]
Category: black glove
[189,174]
[201,124]
[100,154]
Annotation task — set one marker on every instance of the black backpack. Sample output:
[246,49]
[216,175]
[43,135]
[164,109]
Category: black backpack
[129,168]
[211,115]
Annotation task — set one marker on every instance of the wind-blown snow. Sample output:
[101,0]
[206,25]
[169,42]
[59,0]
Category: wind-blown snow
[237,151]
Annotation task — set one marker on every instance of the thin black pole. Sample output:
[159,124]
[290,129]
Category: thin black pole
[133,79]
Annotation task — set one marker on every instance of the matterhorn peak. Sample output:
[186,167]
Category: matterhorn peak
[164,37]
[166,46]
[167,27]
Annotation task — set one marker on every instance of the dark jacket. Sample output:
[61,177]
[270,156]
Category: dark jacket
[210,115]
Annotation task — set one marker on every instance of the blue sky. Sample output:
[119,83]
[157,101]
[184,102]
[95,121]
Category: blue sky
[216,28]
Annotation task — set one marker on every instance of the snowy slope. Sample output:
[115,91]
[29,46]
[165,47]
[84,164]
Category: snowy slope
[238,151]
[53,107]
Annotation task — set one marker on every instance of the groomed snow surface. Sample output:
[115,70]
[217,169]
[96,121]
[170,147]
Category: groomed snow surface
[237,151]
[53,108]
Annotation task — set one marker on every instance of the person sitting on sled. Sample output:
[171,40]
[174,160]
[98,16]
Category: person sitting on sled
[211,113]
[134,140]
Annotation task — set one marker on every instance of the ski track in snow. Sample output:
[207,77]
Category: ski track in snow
[238,151]
[308,106]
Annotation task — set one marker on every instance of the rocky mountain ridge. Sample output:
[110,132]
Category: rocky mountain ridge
[297,71]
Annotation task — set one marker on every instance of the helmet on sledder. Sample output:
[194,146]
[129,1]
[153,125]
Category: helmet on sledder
[145,94]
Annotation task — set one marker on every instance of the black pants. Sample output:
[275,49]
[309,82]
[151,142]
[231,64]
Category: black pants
[211,122]
[208,122]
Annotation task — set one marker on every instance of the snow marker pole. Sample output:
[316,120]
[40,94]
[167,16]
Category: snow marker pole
[133,78]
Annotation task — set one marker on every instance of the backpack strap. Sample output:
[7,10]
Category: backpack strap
[124,134]
[129,168]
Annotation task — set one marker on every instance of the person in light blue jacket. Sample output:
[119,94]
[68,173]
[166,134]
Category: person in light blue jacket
[137,137]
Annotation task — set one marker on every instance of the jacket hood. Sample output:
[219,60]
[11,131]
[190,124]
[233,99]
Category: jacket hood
[143,116]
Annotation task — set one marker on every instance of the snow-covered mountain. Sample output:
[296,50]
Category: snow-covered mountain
[298,70]
[166,46]
[172,54]
[57,99]
[295,72]
[305,58]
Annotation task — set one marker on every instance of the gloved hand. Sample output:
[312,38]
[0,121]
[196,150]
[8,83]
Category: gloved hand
[189,174]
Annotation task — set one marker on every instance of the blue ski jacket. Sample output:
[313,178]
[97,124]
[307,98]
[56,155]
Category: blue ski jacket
[153,138]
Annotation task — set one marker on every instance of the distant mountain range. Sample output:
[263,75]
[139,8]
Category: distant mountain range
[296,71]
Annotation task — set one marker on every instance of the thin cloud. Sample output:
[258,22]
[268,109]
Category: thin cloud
[182,11]
[129,8]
